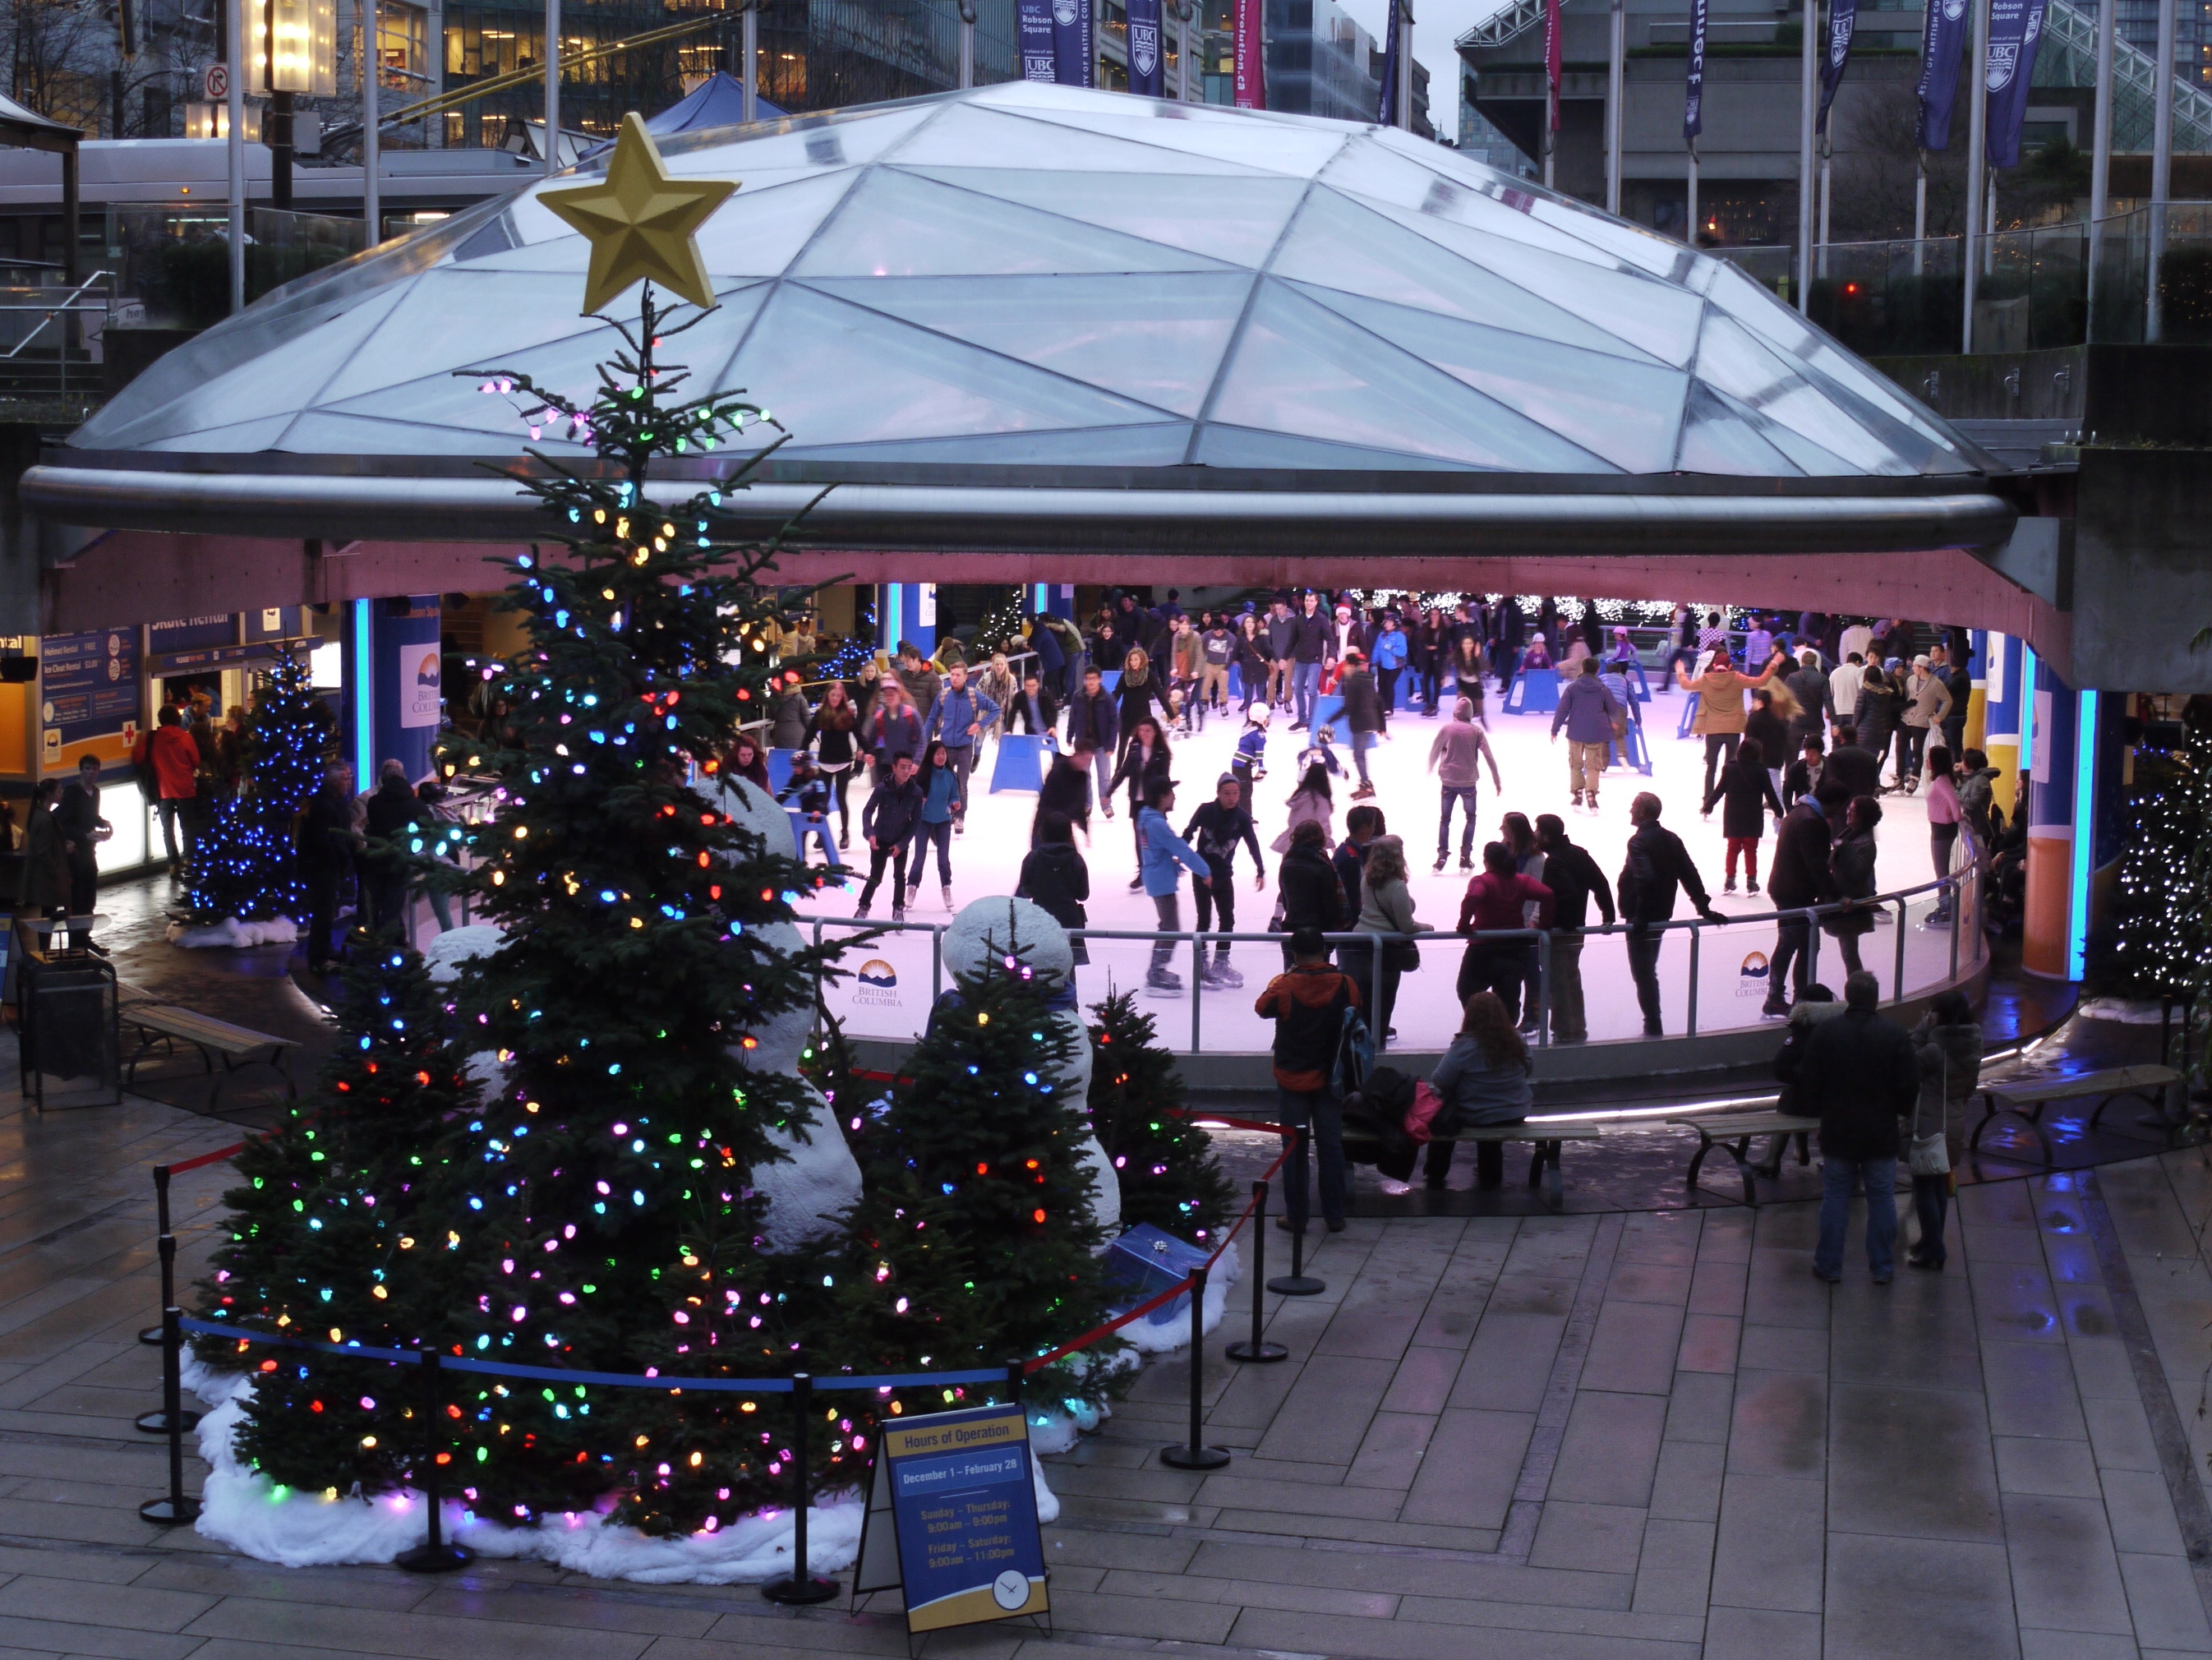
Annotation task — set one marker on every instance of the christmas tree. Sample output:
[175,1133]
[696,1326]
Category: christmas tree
[330,1241]
[247,864]
[2163,942]
[1170,1177]
[832,1065]
[975,1243]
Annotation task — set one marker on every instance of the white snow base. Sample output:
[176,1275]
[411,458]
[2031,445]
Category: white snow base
[241,1508]
[1148,1336]
[232,934]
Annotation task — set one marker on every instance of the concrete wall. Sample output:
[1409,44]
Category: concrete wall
[2142,570]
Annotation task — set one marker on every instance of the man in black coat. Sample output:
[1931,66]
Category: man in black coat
[1658,869]
[1860,1073]
[1799,876]
[1575,880]
[1852,765]
[1033,709]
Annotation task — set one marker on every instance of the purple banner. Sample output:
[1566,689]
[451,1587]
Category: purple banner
[1072,53]
[1693,83]
[2015,31]
[1943,44]
[1843,19]
[1036,39]
[1145,74]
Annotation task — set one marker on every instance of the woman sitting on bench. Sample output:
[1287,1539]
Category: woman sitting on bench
[1482,1079]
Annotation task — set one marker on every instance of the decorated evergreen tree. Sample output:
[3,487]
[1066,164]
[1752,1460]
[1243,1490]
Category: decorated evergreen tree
[328,1239]
[832,1065]
[2163,943]
[1170,1177]
[975,1243]
[247,863]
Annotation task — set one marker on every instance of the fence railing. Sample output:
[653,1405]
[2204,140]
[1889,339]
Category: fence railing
[1936,934]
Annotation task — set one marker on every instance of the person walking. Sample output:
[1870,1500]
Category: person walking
[77,816]
[1483,1080]
[1589,712]
[1927,706]
[1094,728]
[1803,876]
[1145,760]
[1745,789]
[45,889]
[1164,856]
[1282,629]
[327,840]
[1392,649]
[1309,650]
[1860,1074]
[1575,880]
[1307,1003]
[1186,672]
[1219,826]
[1494,903]
[888,825]
[1851,860]
[1386,912]
[1947,1044]
[894,728]
[1217,650]
[1363,712]
[1427,656]
[1950,667]
[1881,701]
[788,726]
[174,759]
[1250,657]
[1720,715]
[829,732]
[963,713]
[1657,869]
[1455,757]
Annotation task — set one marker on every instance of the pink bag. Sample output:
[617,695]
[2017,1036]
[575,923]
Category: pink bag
[1426,1104]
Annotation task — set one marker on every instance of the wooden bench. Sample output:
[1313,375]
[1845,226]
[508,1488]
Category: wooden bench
[234,1048]
[1733,1132]
[2025,1094]
[1544,1138]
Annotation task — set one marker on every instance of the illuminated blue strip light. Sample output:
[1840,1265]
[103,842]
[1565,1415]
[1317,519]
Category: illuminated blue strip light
[887,634]
[2085,834]
[364,696]
[1043,605]
[2026,709]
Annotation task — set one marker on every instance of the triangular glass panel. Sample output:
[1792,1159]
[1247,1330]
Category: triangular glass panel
[900,224]
[1627,412]
[1660,319]
[1300,367]
[759,232]
[1338,243]
[888,380]
[966,136]
[1382,177]
[1729,358]
[1161,445]
[322,432]
[1238,222]
[568,368]
[1301,150]
[1221,446]
[832,139]
[1156,338]
[261,384]
[244,438]
[1716,439]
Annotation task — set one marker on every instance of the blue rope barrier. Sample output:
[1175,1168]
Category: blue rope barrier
[608,1379]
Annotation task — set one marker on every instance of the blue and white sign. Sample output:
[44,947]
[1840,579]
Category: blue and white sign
[962,1500]
[1943,44]
[1145,76]
[2015,31]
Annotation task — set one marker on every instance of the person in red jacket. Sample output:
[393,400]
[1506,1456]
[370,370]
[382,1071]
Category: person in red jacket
[1494,901]
[175,760]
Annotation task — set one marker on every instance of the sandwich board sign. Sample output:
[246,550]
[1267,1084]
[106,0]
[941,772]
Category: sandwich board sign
[952,1520]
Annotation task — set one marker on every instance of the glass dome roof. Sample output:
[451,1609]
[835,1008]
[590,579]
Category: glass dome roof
[1035,275]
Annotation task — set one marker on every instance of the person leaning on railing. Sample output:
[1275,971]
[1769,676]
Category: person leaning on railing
[1308,1002]
[1658,867]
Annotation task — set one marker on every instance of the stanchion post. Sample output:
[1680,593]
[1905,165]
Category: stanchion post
[174,1509]
[1195,1455]
[433,1554]
[156,1335]
[171,1419]
[802,1586]
[1297,1283]
[1257,1349]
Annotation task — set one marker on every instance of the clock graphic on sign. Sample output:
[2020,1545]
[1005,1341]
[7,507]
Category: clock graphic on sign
[1011,1589]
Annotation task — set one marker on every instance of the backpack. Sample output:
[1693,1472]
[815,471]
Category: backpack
[1355,1055]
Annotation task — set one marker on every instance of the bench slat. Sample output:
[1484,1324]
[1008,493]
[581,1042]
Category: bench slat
[172,1022]
[1721,1125]
[2074,1086]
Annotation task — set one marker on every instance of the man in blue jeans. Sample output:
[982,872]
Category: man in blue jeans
[1307,1005]
[1308,644]
[1860,1074]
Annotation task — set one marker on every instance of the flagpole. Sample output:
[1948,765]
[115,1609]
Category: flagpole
[1690,222]
[749,69]
[1919,211]
[2161,167]
[2100,152]
[234,151]
[1616,56]
[553,87]
[1402,10]
[1978,76]
[372,160]
[1810,99]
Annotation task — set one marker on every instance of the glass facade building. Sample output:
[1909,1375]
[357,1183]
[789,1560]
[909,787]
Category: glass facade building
[2137,23]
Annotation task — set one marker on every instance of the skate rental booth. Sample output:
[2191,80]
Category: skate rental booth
[1039,335]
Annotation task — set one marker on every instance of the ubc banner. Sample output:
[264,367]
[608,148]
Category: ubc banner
[1251,90]
[1842,18]
[2015,30]
[1036,40]
[1071,42]
[1943,44]
[1145,75]
[1693,84]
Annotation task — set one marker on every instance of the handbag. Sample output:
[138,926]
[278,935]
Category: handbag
[1931,1155]
[1403,955]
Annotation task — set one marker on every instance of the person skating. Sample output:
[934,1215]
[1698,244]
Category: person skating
[1363,713]
[1802,878]
[887,824]
[806,793]
[1927,706]
[1248,765]
[1144,762]
[1860,1074]
[1055,876]
[835,751]
[1720,714]
[963,713]
[1308,644]
[1456,758]
[1165,855]
[1094,728]
[1588,712]
[1216,829]
[1745,789]
[1658,867]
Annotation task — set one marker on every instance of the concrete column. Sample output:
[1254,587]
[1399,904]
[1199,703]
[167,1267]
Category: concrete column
[2054,920]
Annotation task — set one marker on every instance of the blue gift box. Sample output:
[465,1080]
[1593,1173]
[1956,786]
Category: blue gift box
[1148,1262]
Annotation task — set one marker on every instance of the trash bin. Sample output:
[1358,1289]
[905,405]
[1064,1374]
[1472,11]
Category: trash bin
[69,1028]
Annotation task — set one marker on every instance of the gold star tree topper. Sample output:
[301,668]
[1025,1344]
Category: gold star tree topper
[641,222]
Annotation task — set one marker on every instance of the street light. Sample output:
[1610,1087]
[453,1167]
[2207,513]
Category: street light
[295,50]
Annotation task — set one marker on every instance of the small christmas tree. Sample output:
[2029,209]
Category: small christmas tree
[975,1243]
[1170,1177]
[832,1065]
[2163,943]
[328,1240]
[247,863]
